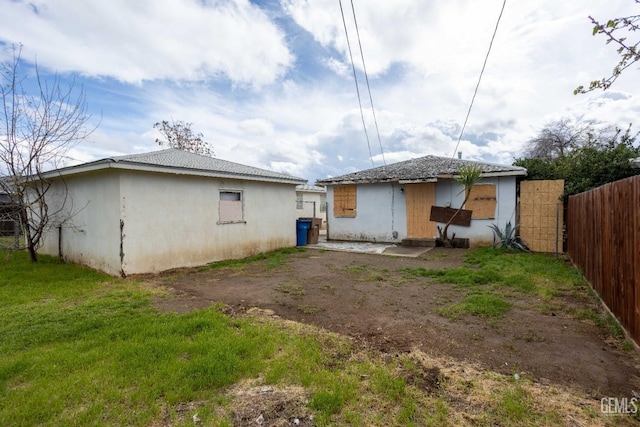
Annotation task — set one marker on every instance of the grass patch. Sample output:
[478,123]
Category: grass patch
[432,257]
[489,275]
[481,305]
[357,269]
[291,289]
[271,260]
[83,348]
[514,406]
[309,309]
[328,288]
[605,320]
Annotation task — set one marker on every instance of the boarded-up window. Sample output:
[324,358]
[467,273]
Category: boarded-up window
[482,201]
[344,201]
[231,206]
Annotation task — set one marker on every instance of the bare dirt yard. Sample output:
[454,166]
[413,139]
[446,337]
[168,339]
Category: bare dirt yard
[371,299]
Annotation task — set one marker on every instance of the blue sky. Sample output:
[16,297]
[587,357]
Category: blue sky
[269,83]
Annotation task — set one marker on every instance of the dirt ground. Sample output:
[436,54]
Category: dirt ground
[367,297]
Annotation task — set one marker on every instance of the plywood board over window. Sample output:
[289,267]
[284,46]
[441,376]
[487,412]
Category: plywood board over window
[231,207]
[482,201]
[344,201]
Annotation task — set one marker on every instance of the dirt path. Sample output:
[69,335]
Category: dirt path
[367,297]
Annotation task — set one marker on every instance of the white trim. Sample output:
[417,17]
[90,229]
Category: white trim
[125,165]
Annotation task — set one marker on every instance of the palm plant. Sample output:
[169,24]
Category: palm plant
[468,176]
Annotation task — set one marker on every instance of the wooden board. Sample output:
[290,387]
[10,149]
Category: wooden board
[442,214]
[419,199]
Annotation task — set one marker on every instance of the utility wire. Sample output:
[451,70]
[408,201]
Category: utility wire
[366,76]
[355,78]
[464,125]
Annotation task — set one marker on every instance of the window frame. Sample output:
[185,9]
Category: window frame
[226,218]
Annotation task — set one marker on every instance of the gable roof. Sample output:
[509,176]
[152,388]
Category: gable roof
[184,163]
[422,169]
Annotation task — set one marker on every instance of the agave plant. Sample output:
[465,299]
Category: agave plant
[507,238]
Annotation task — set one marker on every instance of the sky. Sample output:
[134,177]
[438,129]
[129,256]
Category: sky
[270,83]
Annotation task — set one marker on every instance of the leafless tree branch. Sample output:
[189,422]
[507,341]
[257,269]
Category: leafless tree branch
[39,128]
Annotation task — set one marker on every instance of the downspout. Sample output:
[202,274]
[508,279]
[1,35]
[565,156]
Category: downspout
[394,234]
[122,273]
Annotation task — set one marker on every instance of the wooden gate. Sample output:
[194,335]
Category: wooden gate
[541,215]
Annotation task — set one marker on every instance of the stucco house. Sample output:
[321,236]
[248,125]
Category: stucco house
[155,211]
[400,201]
[311,202]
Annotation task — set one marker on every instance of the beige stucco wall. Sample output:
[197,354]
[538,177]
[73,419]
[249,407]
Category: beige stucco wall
[89,217]
[169,221]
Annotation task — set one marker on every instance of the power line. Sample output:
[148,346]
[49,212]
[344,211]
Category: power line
[366,76]
[464,125]
[355,78]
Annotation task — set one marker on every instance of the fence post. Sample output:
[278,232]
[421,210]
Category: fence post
[557,230]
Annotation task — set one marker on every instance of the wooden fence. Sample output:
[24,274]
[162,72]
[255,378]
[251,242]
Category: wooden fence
[603,239]
[542,215]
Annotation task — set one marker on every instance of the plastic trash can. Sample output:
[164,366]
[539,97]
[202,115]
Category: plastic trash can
[302,227]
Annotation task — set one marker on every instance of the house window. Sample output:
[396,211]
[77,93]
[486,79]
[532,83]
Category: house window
[299,201]
[482,201]
[344,201]
[323,203]
[231,209]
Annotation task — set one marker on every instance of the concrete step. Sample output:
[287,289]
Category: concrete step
[424,242]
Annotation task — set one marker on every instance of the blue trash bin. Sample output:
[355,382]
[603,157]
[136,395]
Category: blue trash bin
[302,227]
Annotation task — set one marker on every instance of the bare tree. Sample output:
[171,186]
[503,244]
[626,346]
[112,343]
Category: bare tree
[37,129]
[629,51]
[557,138]
[179,135]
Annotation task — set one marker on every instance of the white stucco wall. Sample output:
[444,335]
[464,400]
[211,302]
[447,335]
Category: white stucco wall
[309,198]
[479,233]
[380,211]
[89,219]
[172,221]
[169,221]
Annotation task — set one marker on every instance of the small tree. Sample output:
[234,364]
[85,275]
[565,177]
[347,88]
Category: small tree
[36,131]
[629,51]
[557,138]
[468,176]
[602,159]
[179,135]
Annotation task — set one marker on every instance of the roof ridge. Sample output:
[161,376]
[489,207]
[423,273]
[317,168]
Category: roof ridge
[424,168]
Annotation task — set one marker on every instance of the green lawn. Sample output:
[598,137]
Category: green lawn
[82,348]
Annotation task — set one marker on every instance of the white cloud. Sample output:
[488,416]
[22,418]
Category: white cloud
[134,41]
[266,93]
[258,127]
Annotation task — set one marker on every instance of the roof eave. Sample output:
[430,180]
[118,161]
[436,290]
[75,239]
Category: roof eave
[126,165]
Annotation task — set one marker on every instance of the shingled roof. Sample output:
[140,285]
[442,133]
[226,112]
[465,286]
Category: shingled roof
[183,162]
[422,169]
